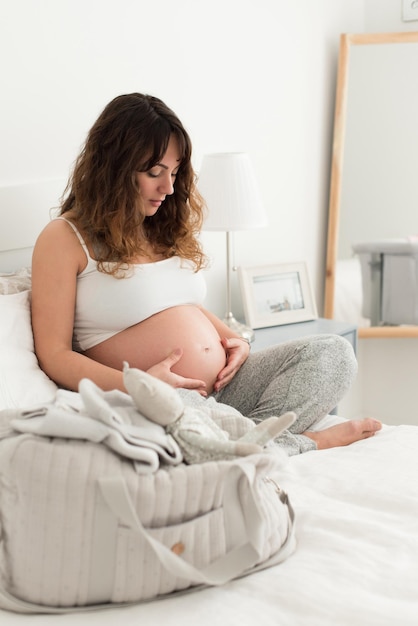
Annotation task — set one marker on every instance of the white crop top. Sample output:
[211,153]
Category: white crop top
[106,305]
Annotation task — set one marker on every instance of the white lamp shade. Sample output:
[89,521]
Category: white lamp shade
[228,185]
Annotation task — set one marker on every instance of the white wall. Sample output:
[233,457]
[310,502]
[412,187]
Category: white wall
[242,75]
[385,16]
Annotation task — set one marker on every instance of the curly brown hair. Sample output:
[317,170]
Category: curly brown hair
[131,135]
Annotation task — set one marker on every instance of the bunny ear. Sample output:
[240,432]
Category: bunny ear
[154,398]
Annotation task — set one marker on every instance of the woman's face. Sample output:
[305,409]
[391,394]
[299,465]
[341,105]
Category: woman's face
[158,182]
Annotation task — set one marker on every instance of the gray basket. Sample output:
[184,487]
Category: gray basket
[389,271]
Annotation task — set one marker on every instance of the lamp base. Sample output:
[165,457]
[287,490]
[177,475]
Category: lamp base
[241,329]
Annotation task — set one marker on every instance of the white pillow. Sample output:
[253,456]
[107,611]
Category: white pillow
[21,280]
[22,382]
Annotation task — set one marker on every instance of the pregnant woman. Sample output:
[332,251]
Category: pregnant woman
[117,277]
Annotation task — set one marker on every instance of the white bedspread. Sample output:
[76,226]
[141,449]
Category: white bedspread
[356,563]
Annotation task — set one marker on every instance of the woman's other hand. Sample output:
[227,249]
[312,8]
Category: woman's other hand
[237,351]
[163,371]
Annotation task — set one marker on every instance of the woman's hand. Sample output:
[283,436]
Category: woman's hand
[237,351]
[163,371]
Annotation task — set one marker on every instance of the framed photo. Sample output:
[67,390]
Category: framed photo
[277,294]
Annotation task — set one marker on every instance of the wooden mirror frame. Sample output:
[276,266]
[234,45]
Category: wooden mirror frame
[346,41]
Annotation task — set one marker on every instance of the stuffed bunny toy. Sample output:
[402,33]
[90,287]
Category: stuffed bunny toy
[197,434]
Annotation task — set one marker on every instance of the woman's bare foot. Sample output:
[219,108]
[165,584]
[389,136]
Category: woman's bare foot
[345,433]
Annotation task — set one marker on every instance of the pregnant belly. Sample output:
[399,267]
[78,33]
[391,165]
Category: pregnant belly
[149,342]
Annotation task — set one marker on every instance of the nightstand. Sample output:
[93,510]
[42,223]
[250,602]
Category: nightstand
[265,337]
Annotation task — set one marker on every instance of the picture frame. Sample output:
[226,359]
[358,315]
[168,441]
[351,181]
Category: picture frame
[274,295]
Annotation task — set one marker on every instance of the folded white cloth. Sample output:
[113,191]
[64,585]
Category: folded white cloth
[102,417]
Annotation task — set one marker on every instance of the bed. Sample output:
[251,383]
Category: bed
[356,561]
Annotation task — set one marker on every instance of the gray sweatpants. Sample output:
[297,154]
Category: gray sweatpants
[308,376]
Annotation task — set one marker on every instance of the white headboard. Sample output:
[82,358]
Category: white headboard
[24,210]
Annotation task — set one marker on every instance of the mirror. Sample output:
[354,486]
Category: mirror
[374,173]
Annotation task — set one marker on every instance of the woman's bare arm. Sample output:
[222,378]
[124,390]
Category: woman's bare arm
[57,259]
